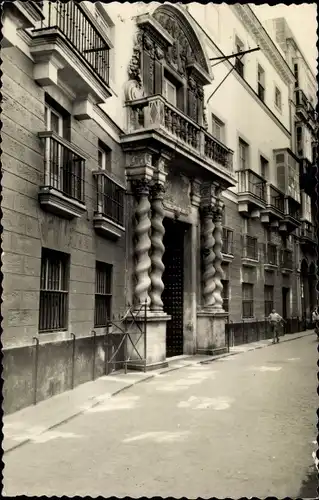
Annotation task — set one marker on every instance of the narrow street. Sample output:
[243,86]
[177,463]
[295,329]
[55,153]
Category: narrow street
[241,426]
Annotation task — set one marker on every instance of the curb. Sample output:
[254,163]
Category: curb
[96,403]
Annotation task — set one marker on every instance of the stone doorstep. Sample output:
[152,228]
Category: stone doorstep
[63,407]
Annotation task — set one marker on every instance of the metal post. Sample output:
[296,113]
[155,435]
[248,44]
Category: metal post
[94,339]
[106,349]
[73,359]
[145,336]
[35,371]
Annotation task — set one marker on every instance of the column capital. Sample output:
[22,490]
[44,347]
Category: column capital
[139,165]
[218,211]
[141,186]
[207,211]
[158,190]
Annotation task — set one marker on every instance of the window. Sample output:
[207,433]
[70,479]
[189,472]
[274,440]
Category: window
[296,73]
[243,155]
[264,167]
[269,299]
[227,241]
[103,294]
[239,65]
[53,120]
[299,141]
[225,295]
[104,156]
[277,98]
[248,300]
[261,83]
[170,92]
[218,129]
[53,291]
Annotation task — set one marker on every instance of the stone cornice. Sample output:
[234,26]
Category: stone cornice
[252,23]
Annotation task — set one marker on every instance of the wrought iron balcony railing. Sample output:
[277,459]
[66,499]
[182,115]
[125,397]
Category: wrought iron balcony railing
[250,247]
[286,259]
[250,182]
[156,113]
[71,19]
[227,247]
[64,168]
[271,254]
[301,99]
[276,198]
[109,198]
[292,210]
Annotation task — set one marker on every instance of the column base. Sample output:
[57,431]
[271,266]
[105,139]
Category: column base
[211,336]
[151,346]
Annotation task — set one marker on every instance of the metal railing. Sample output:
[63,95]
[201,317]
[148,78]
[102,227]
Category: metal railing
[286,259]
[271,254]
[109,197]
[292,210]
[64,168]
[308,231]
[276,198]
[155,112]
[71,19]
[227,246]
[245,332]
[250,182]
[250,247]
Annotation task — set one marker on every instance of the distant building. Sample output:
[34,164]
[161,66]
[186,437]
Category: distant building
[130,178]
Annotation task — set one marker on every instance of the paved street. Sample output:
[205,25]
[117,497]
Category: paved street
[240,426]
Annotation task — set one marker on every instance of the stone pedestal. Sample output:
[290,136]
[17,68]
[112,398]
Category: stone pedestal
[211,336]
[154,349]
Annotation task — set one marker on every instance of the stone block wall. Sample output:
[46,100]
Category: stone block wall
[28,229]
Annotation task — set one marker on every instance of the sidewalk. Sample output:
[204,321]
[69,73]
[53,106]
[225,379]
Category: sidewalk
[28,423]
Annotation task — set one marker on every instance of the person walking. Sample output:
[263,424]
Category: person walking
[315,320]
[275,319]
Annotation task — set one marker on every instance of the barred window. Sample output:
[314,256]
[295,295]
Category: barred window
[54,284]
[103,293]
[248,300]
[269,299]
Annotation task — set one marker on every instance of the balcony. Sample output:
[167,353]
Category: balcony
[251,192]
[271,262]
[108,217]
[64,171]
[275,206]
[155,122]
[301,104]
[308,236]
[312,118]
[227,248]
[286,261]
[71,49]
[292,216]
[250,250]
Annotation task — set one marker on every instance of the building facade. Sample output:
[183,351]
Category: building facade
[131,178]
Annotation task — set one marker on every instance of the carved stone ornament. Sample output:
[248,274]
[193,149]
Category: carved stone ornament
[158,190]
[141,187]
[134,88]
[139,159]
[186,46]
[207,212]
[159,53]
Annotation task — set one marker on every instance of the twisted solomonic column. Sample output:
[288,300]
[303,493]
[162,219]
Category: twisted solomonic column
[208,256]
[219,273]
[158,248]
[142,243]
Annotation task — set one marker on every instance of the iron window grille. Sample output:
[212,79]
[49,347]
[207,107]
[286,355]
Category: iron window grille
[53,291]
[110,198]
[227,247]
[63,167]
[271,254]
[103,294]
[250,247]
[248,300]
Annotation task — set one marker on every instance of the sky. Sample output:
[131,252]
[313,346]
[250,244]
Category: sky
[302,20]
